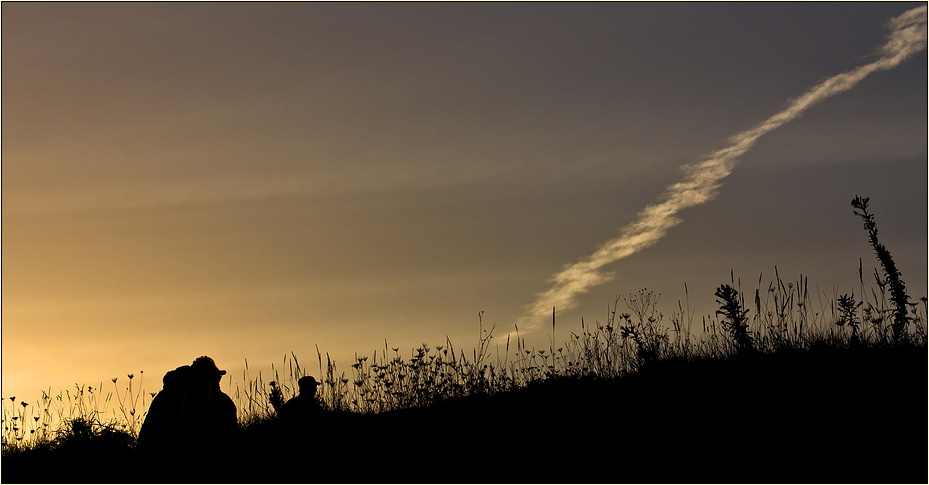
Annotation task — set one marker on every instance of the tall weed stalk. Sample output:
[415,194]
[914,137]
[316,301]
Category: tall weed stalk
[898,295]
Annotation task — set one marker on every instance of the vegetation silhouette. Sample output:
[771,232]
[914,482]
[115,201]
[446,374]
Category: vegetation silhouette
[784,394]
[898,293]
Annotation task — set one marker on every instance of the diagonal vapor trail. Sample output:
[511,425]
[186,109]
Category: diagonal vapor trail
[907,37]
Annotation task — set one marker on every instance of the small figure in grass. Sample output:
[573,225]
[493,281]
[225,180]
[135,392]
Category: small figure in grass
[303,408]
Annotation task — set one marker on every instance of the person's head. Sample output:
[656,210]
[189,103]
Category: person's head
[206,369]
[177,379]
[307,385]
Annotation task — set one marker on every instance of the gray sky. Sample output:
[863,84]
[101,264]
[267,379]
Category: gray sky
[247,180]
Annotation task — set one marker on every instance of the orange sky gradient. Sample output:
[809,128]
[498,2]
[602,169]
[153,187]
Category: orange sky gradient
[247,180]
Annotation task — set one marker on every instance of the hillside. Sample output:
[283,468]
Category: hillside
[825,415]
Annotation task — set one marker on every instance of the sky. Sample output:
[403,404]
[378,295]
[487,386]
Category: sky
[251,180]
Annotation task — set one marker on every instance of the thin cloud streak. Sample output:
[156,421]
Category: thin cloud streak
[703,179]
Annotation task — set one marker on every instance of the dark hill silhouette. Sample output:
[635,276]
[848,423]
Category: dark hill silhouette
[822,416]
[825,416]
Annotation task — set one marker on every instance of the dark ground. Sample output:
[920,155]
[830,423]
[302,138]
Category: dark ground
[829,416]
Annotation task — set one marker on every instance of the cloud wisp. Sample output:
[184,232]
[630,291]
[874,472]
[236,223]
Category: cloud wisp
[702,179]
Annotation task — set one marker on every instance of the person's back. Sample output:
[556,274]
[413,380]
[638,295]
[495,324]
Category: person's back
[166,420]
[217,416]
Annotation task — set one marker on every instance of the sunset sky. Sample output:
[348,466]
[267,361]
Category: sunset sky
[247,180]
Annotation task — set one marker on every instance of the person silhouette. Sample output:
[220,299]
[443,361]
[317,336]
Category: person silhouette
[191,417]
[302,408]
[212,412]
[166,418]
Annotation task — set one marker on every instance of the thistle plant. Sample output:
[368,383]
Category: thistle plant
[276,397]
[847,308]
[898,295]
[732,307]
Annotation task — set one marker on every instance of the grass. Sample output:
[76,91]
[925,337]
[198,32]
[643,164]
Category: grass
[793,387]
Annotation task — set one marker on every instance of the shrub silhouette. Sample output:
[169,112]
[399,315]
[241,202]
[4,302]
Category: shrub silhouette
[731,307]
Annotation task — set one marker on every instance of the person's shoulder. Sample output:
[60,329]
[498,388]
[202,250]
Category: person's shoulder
[225,400]
[291,403]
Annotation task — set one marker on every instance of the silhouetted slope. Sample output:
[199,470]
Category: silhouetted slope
[821,416]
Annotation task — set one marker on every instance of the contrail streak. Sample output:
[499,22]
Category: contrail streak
[907,37]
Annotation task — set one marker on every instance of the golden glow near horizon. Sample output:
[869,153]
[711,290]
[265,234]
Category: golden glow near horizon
[247,180]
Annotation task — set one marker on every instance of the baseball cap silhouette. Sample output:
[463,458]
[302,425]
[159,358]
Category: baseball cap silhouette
[307,381]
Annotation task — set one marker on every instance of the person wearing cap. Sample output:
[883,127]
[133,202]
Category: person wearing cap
[304,407]
[214,413]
